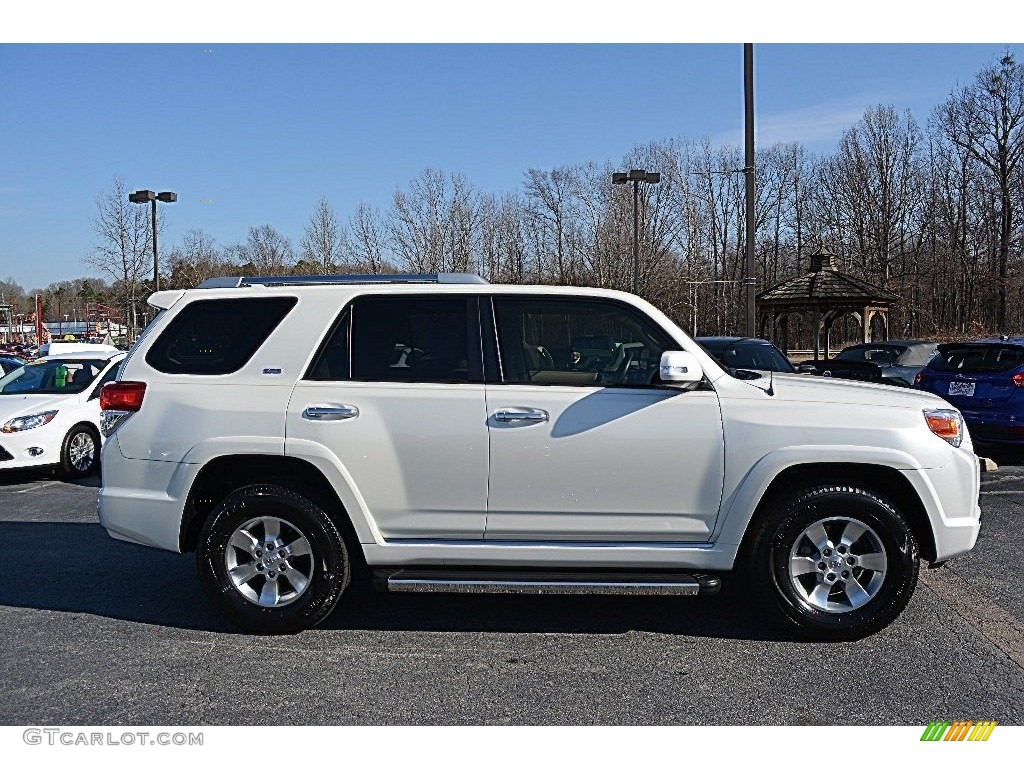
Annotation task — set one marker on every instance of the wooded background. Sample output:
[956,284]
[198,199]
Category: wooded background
[930,212]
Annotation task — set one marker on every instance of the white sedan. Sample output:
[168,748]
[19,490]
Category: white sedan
[50,412]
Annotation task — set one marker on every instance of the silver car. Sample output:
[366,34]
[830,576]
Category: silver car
[900,361]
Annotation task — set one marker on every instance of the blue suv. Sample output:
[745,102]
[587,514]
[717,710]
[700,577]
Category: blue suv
[984,379]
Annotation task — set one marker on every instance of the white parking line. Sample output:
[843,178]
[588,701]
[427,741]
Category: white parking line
[37,487]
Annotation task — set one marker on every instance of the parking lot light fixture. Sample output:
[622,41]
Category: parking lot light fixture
[143,196]
[636,176]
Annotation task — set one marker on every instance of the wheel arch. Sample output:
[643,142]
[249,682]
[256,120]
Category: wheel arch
[885,481]
[88,425]
[223,474]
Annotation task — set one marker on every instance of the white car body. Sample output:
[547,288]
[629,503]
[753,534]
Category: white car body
[427,478]
[41,446]
[82,349]
[456,453]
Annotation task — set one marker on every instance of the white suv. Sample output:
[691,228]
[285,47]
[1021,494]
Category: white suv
[452,435]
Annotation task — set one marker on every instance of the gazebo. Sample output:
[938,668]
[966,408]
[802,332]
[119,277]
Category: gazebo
[826,295]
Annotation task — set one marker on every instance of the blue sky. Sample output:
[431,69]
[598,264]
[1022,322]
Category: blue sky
[263,131]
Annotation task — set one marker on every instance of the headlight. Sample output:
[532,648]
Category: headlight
[23,423]
[947,424]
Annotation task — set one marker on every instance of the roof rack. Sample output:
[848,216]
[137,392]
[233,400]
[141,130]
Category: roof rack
[446,278]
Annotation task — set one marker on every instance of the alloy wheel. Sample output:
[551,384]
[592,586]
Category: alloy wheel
[269,561]
[837,564]
[82,451]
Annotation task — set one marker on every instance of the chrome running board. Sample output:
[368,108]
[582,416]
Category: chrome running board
[546,583]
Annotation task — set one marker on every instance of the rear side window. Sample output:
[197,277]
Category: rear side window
[217,336]
[978,358]
[414,339]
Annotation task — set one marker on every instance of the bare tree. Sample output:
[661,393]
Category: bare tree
[557,217]
[434,225]
[321,242]
[123,246]
[265,252]
[985,119]
[195,259]
[364,240]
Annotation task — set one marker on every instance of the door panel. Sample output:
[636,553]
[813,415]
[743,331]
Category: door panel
[417,453]
[396,393]
[609,464]
[585,444]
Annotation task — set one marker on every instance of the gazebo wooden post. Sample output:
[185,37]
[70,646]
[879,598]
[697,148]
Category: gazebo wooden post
[816,331]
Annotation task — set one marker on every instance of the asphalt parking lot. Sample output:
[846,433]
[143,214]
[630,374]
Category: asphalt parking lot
[95,631]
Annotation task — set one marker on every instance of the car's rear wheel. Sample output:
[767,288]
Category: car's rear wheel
[837,562]
[272,560]
[80,453]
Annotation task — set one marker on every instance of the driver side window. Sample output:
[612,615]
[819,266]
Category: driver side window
[577,342]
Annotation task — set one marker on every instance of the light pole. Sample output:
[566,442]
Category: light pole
[635,177]
[750,278]
[146,196]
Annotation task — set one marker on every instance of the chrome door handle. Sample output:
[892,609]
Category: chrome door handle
[330,412]
[513,415]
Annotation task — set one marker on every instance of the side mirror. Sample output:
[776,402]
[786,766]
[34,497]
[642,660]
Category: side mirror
[678,367]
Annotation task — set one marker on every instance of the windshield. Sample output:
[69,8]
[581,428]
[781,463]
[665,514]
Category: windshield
[52,377]
[978,358]
[757,357]
[877,354]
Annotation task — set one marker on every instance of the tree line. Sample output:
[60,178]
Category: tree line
[931,212]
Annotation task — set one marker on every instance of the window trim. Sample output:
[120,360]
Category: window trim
[474,341]
[342,315]
[493,338]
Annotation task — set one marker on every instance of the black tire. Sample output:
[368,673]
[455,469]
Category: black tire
[328,562]
[69,468]
[783,528]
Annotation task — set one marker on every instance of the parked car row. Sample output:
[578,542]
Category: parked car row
[438,433]
[50,412]
[265,425]
[24,351]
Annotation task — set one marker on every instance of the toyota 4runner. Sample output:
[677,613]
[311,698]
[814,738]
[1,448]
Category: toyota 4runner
[445,434]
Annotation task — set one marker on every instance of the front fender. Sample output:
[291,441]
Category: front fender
[742,499]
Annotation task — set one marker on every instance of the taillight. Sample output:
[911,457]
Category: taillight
[122,396]
[919,378]
[1018,379]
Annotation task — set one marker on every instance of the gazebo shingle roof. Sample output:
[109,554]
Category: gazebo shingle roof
[825,286]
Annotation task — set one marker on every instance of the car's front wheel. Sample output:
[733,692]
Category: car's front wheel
[272,560]
[837,561]
[80,454]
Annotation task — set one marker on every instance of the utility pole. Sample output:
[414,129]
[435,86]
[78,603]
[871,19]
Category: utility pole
[748,170]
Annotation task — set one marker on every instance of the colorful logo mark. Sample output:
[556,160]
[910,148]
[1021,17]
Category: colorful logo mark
[958,730]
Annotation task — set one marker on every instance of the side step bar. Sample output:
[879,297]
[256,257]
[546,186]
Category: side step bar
[547,583]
